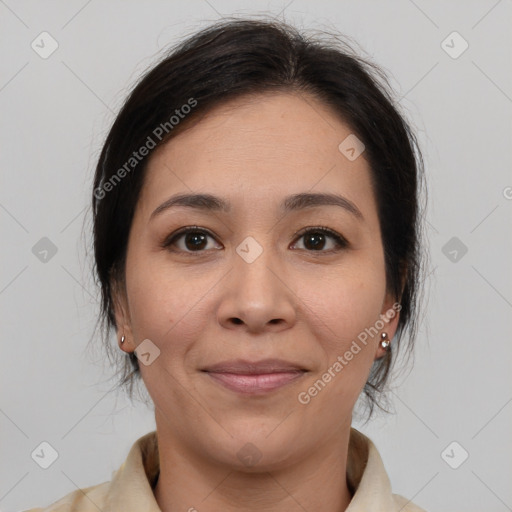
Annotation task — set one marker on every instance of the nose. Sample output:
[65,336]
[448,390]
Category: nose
[257,296]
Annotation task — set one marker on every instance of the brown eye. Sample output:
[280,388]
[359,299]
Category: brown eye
[189,240]
[195,240]
[322,240]
[314,241]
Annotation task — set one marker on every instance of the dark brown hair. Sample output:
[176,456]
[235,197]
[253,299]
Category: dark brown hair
[237,57]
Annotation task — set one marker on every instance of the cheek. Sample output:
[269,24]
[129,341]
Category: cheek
[344,302]
[166,307]
[343,308]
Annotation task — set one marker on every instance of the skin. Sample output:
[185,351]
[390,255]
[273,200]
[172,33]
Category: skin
[293,302]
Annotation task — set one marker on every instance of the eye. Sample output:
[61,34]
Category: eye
[189,239]
[192,239]
[318,238]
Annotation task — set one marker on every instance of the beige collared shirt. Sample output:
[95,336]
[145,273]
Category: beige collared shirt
[131,487]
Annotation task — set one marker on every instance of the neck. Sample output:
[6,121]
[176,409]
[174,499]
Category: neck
[316,483]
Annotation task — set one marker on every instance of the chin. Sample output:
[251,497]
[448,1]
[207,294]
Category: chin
[260,449]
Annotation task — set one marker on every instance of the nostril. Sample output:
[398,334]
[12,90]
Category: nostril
[237,321]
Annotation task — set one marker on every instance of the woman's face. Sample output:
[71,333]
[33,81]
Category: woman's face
[247,286]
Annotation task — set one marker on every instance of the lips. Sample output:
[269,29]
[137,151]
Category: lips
[244,367]
[255,377]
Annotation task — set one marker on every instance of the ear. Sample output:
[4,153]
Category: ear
[389,316]
[122,315]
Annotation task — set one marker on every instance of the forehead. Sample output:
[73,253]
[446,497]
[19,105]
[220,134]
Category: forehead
[259,145]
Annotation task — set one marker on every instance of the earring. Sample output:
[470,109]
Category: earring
[384,342]
[122,338]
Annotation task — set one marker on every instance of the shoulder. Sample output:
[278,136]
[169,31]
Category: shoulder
[81,500]
[130,486]
[405,505]
[367,476]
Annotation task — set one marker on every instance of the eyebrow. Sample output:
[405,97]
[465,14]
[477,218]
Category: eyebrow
[209,202]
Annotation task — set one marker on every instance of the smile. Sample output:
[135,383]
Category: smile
[255,383]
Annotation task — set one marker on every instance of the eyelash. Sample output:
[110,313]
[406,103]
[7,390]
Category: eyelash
[340,241]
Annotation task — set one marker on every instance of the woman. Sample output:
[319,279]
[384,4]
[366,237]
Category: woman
[256,231]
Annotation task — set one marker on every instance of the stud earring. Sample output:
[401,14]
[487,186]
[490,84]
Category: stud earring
[122,339]
[384,342]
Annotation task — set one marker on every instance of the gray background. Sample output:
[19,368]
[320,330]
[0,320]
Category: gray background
[55,114]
